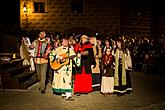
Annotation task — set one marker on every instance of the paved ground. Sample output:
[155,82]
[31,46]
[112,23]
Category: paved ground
[148,94]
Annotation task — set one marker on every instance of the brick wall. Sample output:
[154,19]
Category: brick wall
[135,16]
[104,16]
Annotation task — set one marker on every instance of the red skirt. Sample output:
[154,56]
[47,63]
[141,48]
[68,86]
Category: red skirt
[83,82]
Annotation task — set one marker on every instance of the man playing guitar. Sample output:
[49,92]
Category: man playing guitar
[61,60]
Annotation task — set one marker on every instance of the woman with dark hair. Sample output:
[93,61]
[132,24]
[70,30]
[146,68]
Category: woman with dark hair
[107,82]
[83,76]
[123,64]
[107,45]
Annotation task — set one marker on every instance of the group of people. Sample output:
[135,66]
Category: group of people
[80,65]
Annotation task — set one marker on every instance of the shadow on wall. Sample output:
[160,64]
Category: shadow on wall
[9,38]
[9,43]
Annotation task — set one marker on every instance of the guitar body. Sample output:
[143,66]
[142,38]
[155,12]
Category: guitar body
[57,64]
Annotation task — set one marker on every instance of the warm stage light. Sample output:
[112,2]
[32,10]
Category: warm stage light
[24,7]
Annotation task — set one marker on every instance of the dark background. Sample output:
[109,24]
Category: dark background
[10,12]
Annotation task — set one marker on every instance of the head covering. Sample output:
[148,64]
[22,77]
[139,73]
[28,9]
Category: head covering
[85,36]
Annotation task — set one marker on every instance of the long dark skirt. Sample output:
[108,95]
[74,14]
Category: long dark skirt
[96,81]
[123,88]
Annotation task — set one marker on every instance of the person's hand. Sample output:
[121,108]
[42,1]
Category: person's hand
[60,57]
[129,68]
[94,66]
[78,55]
[85,53]
[45,56]
[31,46]
[96,56]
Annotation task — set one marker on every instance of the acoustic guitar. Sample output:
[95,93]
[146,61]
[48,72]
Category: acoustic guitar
[58,63]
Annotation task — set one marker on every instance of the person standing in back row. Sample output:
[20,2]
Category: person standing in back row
[96,76]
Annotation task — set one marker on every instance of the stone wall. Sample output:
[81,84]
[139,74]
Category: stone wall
[135,16]
[104,16]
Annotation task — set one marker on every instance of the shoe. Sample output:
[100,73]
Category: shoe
[120,94]
[105,94]
[42,91]
[78,94]
[70,98]
[63,97]
[109,93]
[128,92]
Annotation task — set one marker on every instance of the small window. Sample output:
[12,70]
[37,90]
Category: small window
[77,6]
[39,7]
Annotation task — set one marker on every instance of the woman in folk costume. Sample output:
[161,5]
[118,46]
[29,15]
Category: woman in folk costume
[83,76]
[96,79]
[61,61]
[107,82]
[123,64]
[107,45]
